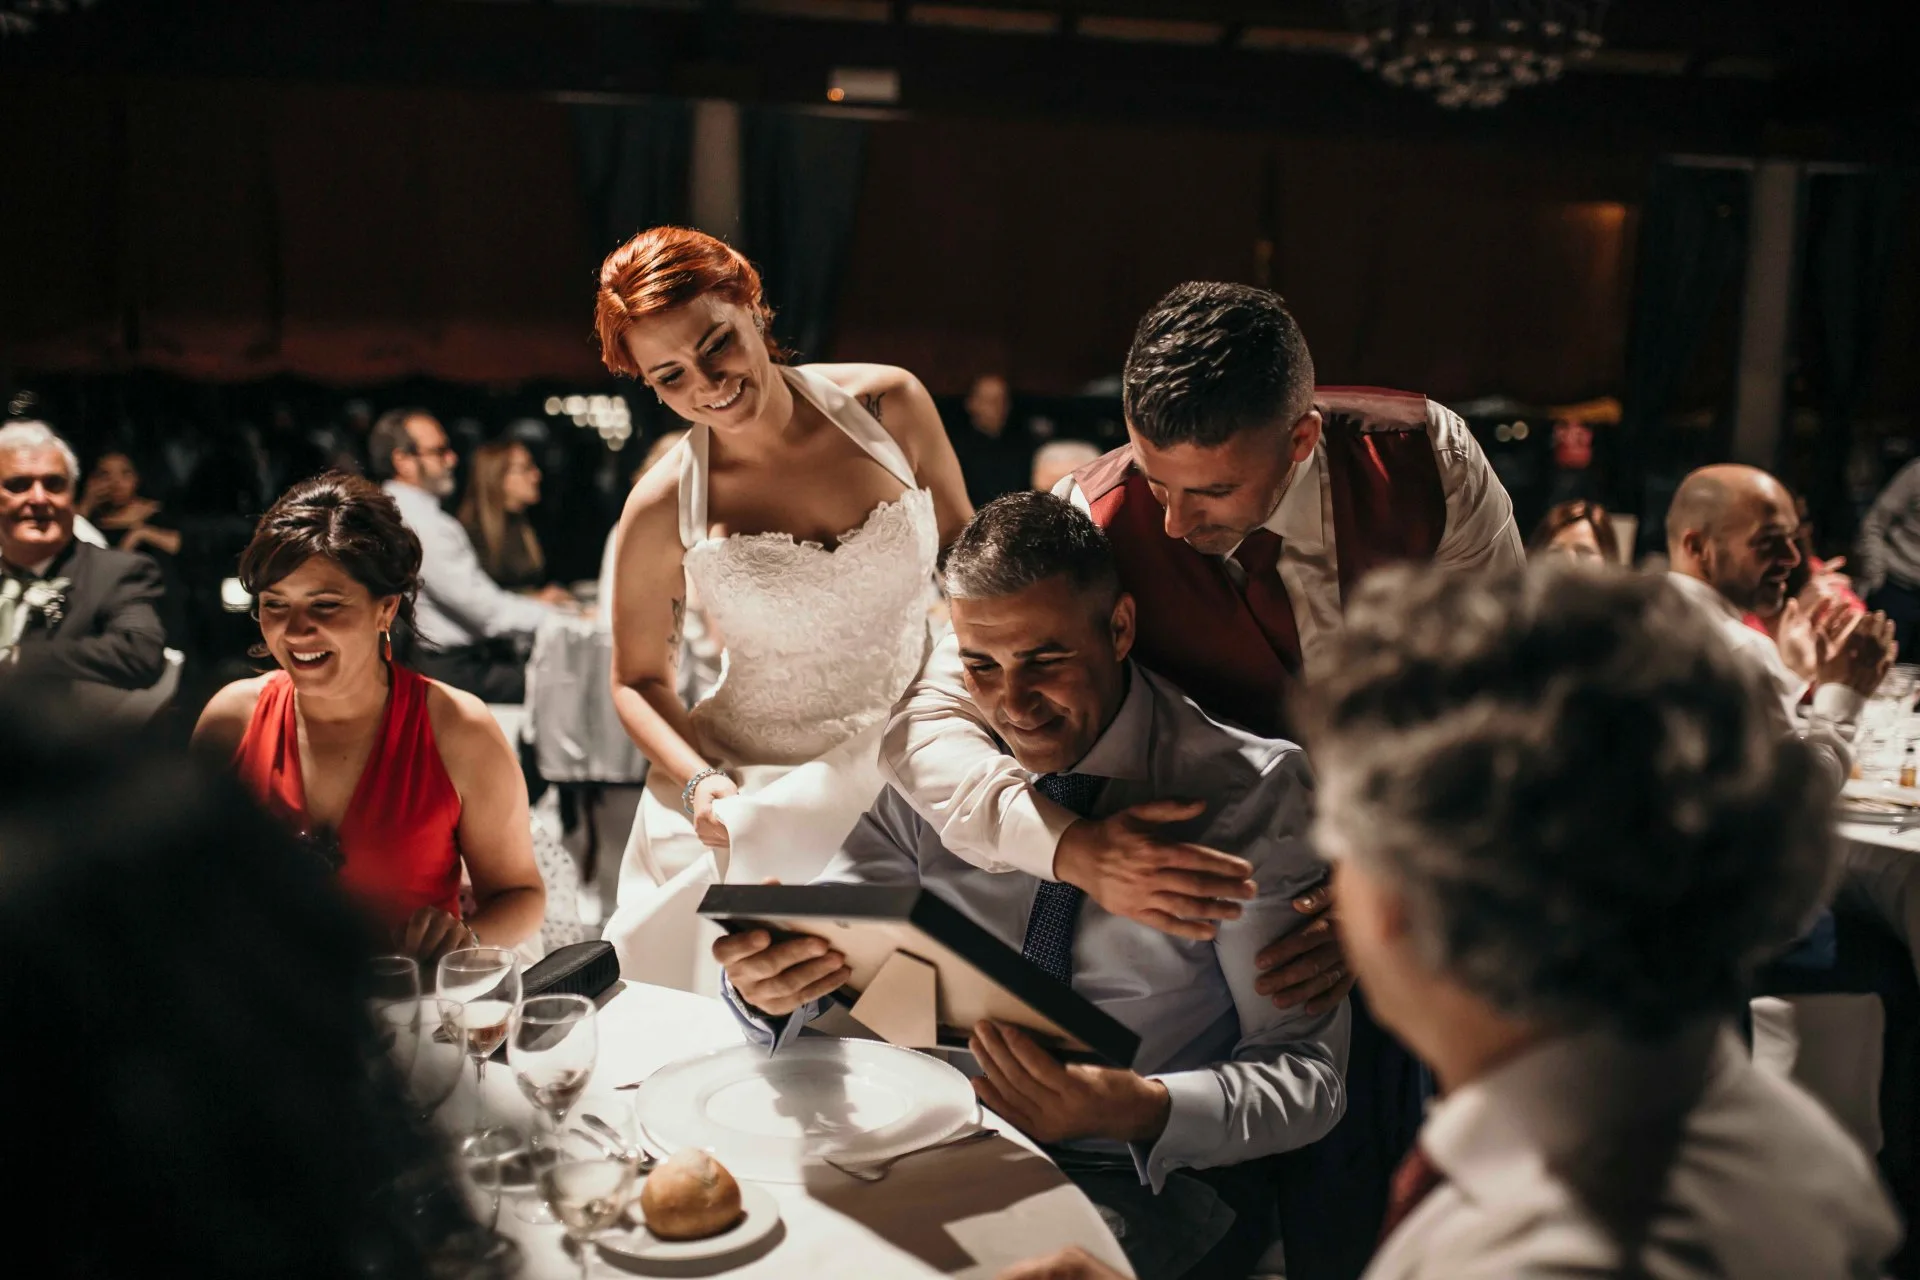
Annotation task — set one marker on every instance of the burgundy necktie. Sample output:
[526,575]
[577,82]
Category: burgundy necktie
[1266,595]
[1412,1182]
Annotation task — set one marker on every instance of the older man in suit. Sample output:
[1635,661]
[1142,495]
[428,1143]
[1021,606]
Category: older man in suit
[71,614]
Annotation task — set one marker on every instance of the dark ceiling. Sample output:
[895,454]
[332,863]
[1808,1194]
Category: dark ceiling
[1791,76]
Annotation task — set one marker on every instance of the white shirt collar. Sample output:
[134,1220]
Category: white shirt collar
[411,495]
[1704,595]
[1298,517]
[1496,1136]
[1121,750]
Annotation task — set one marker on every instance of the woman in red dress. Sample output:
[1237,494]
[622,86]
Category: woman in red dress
[397,779]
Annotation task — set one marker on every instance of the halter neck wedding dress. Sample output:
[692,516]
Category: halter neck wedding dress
[819,644]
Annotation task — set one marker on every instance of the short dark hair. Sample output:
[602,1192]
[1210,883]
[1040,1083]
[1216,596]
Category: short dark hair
[1212,360]
[1576,785]
[1023,538]
[388,435]
[351,522]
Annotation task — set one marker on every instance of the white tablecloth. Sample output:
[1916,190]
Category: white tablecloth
[968,1212]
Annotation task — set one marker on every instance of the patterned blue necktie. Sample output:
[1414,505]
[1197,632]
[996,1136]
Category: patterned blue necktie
[1056,907]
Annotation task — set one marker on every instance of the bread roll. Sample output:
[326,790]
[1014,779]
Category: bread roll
[690,1196]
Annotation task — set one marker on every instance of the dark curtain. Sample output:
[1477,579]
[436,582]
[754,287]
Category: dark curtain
[634,162]
[800,189]
[1848,241]
[1693,241]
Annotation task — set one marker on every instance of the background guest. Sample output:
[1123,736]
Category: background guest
[397,780]
[504,485]
[1561,927]
[1058,459]
[995,454]
[1580,529]
[471,629]
[1731,540]
[1889,548]
[113,502]
[186,983]
[69,612]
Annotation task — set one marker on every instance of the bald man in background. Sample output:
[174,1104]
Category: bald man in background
[1730,538]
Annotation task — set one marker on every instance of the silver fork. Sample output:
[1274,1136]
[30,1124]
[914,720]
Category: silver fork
[876,1170]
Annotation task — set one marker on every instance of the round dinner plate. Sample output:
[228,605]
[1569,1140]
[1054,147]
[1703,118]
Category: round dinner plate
[632,1239]
[769,1118]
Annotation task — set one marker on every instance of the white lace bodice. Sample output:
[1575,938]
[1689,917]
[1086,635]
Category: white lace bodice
[819,643]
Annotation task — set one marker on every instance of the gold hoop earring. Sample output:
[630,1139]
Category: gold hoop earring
[386,644]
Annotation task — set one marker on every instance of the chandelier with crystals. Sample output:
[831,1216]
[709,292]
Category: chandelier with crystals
[1473,53]
[20,16]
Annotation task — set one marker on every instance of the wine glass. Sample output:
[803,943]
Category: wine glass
[438,1058]
[393,999]
[552,1042]
[484,982]
[587,1190]
[487,1153]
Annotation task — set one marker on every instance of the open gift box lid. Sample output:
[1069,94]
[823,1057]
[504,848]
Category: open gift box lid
[912,952]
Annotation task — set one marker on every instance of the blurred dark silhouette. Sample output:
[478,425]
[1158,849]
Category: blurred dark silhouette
[187,1048]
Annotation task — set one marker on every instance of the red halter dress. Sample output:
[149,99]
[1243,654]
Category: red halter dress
[399,834]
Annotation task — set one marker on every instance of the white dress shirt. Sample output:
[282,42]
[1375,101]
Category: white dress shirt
[1836,707]
[1593,1155]
[938,752]
[459,604]
[1245,1079]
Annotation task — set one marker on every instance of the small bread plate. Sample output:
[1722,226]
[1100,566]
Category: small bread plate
[1862,800]
[631,1239]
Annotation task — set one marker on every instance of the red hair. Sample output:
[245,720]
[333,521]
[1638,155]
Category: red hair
[667,267]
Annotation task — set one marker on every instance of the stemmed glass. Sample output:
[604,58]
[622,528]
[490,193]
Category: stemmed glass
[484,984]
[552,1043]
[487,1155]
[393,1000]
[587,1190]
[439,1058]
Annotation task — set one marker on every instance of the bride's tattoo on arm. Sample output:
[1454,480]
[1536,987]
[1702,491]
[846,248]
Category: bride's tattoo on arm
[679,626]
[872,404]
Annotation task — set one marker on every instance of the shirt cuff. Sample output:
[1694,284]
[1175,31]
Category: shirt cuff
[1030,834]
[773,1033]
[1196,1132]
[1838,703]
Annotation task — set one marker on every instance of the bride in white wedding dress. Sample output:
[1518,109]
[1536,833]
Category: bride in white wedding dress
[806,507]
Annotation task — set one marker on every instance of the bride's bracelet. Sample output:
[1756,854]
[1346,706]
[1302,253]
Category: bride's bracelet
[686,796]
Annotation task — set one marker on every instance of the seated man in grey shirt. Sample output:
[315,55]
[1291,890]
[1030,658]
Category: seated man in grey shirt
[472,631]
[1222,1077]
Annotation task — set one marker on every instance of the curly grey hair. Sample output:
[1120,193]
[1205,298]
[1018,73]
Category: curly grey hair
[18,437]
[1572,782]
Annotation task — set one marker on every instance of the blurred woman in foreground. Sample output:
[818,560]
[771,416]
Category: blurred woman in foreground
[182,988]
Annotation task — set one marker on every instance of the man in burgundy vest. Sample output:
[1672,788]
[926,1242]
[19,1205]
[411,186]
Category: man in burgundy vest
[1243,508]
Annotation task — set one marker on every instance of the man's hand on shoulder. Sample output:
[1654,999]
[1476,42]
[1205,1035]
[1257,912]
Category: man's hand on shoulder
[1307,966]
[1124,864]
